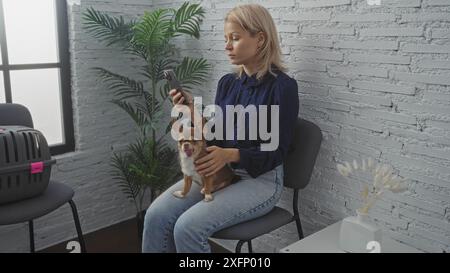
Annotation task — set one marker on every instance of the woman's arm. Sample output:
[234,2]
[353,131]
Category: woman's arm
[257,162]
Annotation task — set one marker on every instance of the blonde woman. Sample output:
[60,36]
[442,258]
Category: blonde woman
[184,225]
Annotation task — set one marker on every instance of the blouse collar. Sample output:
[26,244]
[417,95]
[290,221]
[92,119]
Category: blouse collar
[252,81]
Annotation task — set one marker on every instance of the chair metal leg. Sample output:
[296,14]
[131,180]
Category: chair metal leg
[299,227]
[297,214]
[77,225]
[31,229]
[250,250]
[239,246]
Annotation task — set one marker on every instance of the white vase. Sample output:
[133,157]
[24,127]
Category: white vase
[357,232]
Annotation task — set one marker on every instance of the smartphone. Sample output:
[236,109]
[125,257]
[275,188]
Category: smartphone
[170,76]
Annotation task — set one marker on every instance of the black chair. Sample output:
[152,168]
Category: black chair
[56,194]
[298,167]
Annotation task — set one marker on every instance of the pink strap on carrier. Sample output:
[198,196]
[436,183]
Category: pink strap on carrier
[37,167]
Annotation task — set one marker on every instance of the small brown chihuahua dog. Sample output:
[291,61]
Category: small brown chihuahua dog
[191,149]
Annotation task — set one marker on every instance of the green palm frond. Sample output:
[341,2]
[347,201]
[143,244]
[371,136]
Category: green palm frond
[108,29]
[192,72]
[162,65]
[150,101]
[158,65]
[149,162]
[187,19]
[168,128]
[170,171]
[164,91]
[121,173]
[142,150]
[152,31]
[148,165]
[123,87]
[137,115]
[153,111]
[155,68]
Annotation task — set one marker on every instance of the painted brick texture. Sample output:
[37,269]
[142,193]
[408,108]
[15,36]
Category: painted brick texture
[375,79]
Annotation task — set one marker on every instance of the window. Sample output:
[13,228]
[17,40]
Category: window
[34,66]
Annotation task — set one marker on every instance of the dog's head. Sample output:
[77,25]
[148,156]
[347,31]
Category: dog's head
[190,147]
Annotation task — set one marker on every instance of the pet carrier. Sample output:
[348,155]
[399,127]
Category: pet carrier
[25,163]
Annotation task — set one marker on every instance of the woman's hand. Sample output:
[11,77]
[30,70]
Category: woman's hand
[177,97]
[216,158]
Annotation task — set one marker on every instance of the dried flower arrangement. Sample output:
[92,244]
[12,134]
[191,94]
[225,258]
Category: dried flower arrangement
[383,180]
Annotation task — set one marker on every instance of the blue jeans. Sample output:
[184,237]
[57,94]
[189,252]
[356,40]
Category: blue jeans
[184,225]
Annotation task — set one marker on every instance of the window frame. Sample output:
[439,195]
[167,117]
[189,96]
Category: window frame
[64,69]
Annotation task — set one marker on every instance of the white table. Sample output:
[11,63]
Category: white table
[326,241]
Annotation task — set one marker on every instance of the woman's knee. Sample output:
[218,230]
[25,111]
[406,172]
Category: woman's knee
[182,228]
[162,208]
[156,217]
[187,228]
[190,236]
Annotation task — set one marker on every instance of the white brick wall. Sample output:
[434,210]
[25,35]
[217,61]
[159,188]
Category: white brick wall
[374,78]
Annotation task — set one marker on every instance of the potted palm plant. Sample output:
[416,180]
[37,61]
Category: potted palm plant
[149,165]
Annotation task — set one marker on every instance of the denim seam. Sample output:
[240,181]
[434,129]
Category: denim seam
[240,214]
[168,233]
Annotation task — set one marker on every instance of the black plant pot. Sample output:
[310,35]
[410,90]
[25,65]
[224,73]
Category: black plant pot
[140,224]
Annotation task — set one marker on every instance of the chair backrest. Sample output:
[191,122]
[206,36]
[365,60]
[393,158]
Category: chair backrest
[300,160]
[15,114]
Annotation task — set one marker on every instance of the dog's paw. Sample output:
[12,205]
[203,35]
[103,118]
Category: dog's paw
[178,194]
[202,191]
[208,198]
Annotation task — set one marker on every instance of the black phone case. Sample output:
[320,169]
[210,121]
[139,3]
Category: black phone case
[170,76]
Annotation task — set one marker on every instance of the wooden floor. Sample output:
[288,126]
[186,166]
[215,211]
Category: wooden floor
[119,238]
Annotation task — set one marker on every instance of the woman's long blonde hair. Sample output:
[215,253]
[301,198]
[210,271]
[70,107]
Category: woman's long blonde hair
[254,18]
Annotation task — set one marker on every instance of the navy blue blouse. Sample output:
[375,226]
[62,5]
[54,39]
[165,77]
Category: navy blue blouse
[281,90]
